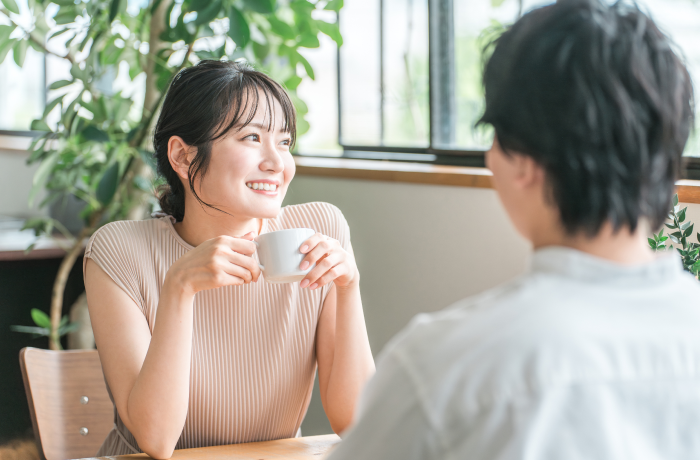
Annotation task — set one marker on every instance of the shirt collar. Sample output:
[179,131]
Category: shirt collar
[576,264]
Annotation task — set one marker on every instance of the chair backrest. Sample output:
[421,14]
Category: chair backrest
[68,400]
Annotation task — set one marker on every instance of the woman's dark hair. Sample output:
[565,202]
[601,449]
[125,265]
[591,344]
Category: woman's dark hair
[203,104]
[596,96]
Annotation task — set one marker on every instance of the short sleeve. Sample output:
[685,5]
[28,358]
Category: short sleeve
[112,248]
[391,422]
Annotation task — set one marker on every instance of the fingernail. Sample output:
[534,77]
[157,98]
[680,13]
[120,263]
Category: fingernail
[304,283]
[304,265]
[303,249]
[313,286]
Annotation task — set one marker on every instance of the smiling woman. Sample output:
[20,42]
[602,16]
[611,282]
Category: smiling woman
[231,357]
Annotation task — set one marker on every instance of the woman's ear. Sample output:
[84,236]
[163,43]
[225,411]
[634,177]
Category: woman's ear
[180,155]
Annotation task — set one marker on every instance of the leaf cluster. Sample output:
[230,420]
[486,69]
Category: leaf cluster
[681,230]
[91,136]
[43,325]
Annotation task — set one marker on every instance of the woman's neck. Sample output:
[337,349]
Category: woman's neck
[201,224]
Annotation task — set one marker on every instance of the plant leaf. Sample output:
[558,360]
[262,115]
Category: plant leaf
[688,231]
[93,133]
[11,5]
[50,106]
[19,52]
[336,5]
[208,14]
[309,40]
[39,125]
[307,66]
[60,84]
[68,328]
[331,30]
[107,186]
[39,331]
[282,29]
[260,6]
[675,200]
[238,30]
[674,239]
[113,10]
[40,318]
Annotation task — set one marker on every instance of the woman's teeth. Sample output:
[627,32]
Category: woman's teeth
[262,186]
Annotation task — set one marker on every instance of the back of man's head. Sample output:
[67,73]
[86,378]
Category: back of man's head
[597,97]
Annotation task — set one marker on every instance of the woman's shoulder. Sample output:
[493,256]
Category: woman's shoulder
[322,217]
[128,235]
[131,231]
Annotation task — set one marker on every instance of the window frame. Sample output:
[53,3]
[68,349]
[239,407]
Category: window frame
[441,97]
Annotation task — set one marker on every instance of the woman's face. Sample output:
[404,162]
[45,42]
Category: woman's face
[250,168]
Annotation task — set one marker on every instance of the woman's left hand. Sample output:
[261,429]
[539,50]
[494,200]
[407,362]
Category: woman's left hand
[333,263]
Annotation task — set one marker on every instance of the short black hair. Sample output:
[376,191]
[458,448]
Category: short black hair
[595,94]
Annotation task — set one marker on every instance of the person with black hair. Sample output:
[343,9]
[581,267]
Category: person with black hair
[197,348]
[595,353]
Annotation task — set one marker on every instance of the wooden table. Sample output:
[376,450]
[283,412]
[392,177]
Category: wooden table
[305,448]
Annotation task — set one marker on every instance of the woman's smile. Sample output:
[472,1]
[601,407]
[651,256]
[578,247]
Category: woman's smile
[264,186]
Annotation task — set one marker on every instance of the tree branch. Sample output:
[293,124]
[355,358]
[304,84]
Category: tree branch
[138,139]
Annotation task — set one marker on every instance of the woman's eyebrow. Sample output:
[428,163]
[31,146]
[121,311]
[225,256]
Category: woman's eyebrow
[260,126]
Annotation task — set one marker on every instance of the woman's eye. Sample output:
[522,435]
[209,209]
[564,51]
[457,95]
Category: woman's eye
[286,142]
[252,137]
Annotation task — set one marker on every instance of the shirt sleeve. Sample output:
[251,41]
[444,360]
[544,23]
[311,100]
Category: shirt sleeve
[111,248]
[391,422]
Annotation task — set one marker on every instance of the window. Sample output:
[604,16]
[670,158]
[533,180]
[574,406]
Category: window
[22,90]
[410,72]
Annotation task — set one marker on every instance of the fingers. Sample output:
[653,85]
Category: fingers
[317,249]
[243,245]
[324,272]
[311,243]
[247,263]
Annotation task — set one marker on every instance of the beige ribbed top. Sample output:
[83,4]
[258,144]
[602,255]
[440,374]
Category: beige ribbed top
[253,355]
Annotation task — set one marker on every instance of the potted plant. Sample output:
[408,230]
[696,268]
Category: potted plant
[93,141]
[681,230]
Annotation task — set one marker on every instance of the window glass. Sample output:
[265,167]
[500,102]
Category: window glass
[22,93]
[406,87]
[321,98]
[360,97]
[680,19]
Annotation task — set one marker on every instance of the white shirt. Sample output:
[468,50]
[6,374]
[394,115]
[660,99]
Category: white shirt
[579,359]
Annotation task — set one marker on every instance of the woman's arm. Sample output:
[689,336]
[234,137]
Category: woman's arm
[149,375]
[343,353]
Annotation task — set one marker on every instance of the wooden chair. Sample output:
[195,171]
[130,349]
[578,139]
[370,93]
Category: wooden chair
[68,401]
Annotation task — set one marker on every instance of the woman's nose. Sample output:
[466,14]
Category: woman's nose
[272,160]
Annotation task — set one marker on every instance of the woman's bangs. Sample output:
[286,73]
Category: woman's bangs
[244,98]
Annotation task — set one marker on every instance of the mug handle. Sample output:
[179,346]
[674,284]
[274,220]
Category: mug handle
[262,267]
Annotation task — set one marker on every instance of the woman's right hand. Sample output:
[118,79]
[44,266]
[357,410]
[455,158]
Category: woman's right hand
[220,261]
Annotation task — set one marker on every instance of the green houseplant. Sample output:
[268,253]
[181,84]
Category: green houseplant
[681,230]
[93,141]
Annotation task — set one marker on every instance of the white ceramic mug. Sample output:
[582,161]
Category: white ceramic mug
[279,254]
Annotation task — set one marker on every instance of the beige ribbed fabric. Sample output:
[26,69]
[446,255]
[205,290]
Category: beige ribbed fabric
[253,356]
